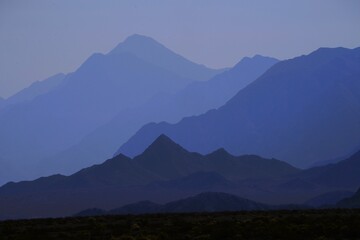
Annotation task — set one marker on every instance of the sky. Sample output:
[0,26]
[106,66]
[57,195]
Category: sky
[40,38]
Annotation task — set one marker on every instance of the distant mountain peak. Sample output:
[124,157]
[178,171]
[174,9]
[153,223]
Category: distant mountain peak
[139,37]
[137,40]
[150,50]
[163,144]
[221,152]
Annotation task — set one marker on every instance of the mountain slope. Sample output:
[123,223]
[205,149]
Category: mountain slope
[2,102]
[343,174]
[283,114]
[203,202]
[103,86]
[35,89]
[328,199]
[351,202]
[149,50]
[194,99]
[165,171]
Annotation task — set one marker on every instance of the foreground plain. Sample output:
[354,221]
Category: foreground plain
[304,224]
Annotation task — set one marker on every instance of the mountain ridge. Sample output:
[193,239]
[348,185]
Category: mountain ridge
[150,50]
[103,86]
[194,99]
[297,94]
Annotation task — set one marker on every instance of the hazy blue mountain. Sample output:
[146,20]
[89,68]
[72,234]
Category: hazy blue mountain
[350,202]
[95,93]
[151,51]
[301,110]
[169,160]
[344,174]
[203,202]
[209,181]
[165,171]
[35,89]
[335,159]
[213,202]
[194,99]
[328,199]
[2,102]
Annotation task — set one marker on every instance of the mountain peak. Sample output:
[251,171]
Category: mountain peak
[163,143]
[141,46]
[150,50]
[219,153]
[138,37]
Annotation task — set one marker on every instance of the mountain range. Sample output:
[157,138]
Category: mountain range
[35,89]
[301,110]
[49,117]
[197,97]
[166,172]
[151,51]
[203,202]
[350,202]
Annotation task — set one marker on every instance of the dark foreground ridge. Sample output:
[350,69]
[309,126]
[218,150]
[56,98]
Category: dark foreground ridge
[309,224]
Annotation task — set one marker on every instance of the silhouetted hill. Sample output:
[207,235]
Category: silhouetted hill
[168,159]
[283,114]
[152,51]
[213,202]
[351,202]
[203,202]
[194,99]
[328,199]
[164,171]
[342,174]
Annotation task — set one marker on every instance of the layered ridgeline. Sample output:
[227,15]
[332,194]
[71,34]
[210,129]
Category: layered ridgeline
[203,202]
[350,202]
[96,92]
[301,110]
[196,98]
[2,102]
[35,89]
[151,51]
[166,172]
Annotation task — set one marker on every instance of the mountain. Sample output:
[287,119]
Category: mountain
[194,99]
[203,202]
[2,102]
[163,172]
[328,199]
[153,52]
[169,160]
[283,114]
[351,202]
[137,208]
[36,89]
[95,93]
[214,202]
[343,174]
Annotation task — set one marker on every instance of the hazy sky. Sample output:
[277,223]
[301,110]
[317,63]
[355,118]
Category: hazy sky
[40,38]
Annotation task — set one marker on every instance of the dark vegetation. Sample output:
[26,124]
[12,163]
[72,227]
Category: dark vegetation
[305,224]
